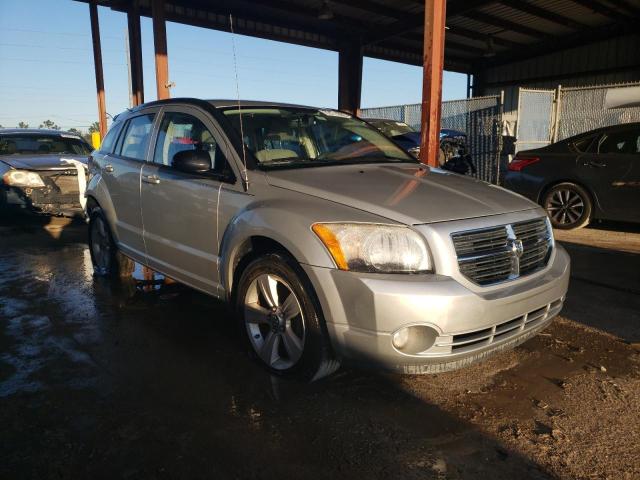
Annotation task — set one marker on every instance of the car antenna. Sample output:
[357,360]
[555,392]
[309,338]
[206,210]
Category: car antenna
[245,179]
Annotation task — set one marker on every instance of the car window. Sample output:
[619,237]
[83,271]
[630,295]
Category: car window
[43,144]
[298,136]
[625,142]
[181,131]
[134,142]
[110,139]
[584,145]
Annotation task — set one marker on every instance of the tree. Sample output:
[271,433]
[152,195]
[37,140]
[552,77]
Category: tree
[50,125]
[94,127]
[23,125]
[75,130]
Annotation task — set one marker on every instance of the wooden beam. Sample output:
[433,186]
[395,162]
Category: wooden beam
[97,62]
[433,52]
[160,47]
[350,78]
[135,55]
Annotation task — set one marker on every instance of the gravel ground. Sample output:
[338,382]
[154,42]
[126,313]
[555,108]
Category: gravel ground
[134,380]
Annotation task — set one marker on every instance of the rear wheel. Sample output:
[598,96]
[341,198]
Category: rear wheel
[106,258]
[568,205]
[281,320]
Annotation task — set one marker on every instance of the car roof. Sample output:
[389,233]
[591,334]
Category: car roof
[37,131]
[219,103]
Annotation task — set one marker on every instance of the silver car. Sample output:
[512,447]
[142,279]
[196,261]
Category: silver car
[331,242]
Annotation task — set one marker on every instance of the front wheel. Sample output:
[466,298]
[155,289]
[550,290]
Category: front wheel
[281,320]
[106,258]
[568,206]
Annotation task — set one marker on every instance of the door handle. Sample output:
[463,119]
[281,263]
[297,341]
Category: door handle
[108,168]
[594,163]
[152,179]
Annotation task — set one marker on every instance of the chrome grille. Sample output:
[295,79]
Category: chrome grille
[505,252]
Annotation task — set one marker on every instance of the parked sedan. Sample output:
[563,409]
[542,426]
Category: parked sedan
[39,171]
[332,243]
[451,141]
[595,175]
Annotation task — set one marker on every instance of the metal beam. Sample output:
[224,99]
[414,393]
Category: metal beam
[160,47]
[97,62]
[349,78]
[455,8]
[507,25]
[563,43]
[135,55]
[433,52]
[543,13]
[601,9]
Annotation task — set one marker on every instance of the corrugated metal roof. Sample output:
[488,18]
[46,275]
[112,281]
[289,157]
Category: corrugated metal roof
[496,32]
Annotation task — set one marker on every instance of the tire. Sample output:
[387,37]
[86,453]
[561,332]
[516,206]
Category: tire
[568,205]
[107,260]
[280,319]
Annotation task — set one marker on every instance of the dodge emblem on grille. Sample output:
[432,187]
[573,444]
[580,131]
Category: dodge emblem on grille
[515,247]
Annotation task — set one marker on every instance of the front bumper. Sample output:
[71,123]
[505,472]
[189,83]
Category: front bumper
[44,201]
[362,311]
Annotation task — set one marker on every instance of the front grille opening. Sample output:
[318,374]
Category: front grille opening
[485,256]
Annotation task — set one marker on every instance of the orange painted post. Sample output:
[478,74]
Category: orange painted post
[160,46]
[97,62]
[435,16]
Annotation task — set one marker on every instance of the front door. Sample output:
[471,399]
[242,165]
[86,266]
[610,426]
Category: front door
[179,210]
[612,169]
[120,170]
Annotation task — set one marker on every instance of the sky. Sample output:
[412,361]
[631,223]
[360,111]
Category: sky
[46,67]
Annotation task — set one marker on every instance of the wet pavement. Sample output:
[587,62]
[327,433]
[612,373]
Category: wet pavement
[138,379]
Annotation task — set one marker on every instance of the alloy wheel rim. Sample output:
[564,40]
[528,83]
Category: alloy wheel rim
[100,245]
[274,321]
[565,207]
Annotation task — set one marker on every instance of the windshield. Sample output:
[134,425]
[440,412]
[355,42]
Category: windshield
[287,137]
[391,128]
[39,144]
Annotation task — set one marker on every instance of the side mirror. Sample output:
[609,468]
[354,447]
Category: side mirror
[192,161]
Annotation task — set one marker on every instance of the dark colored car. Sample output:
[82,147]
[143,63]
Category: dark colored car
[594,175]
[39,171]
[451,141]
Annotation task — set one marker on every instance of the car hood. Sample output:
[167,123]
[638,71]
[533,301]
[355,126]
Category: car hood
[406,193]
[408,138]
[40,162]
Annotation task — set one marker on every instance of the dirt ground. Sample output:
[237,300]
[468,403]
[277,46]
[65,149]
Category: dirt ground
[135,380]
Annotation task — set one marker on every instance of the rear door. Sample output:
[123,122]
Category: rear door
[612,170]
[180,210]
[120,169]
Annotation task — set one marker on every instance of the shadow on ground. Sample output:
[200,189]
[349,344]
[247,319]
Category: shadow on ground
[135,380]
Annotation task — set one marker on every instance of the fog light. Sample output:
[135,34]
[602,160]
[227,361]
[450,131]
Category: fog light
[414,340]
[400,338]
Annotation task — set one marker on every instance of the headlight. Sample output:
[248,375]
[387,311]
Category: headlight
[23,178]
[374,248]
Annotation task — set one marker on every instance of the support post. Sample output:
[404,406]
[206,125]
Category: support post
[350,78]
[135,55]
[433,62]
[97,62]
[160,46]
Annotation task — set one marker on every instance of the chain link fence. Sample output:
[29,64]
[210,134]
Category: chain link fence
[583,108]
[478,118]
[535,118]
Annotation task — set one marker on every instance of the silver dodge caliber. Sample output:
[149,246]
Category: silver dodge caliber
[331,242]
